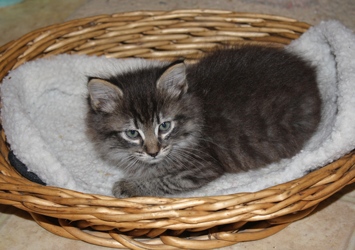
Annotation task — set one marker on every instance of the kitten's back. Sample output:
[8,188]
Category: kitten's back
[263,104]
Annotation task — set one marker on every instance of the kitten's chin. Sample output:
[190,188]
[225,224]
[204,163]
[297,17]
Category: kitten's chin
[154,161]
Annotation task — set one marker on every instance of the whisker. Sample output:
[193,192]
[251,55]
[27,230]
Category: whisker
[190,158]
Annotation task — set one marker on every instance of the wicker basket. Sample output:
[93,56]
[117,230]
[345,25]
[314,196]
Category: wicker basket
[163,223]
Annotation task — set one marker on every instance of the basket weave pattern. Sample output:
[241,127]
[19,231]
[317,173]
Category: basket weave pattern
[153,222]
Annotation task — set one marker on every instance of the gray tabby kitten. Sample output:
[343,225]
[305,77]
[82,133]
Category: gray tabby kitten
[175,127]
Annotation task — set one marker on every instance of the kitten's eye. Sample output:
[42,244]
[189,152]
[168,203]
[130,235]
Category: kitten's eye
[165,126]
[133,134]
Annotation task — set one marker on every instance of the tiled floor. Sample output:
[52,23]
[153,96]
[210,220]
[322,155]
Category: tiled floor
[332,226]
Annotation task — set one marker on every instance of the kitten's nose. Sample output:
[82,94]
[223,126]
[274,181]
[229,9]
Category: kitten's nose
[151,145]
[153,154]
[152,150]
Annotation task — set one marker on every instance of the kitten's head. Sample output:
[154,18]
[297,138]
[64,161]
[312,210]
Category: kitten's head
[143,117]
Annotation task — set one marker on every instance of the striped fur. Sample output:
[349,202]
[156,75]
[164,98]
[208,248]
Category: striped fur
[175,127]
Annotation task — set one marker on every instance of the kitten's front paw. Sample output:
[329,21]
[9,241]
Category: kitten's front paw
[123,189]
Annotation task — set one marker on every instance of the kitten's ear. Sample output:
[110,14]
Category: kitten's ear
[104,96]
[173,80]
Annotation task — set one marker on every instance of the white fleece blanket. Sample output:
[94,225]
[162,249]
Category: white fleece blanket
[44,106]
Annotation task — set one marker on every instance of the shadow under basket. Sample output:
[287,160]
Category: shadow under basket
[153,222]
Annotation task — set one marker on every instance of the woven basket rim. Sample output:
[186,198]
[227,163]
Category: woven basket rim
[119,222]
